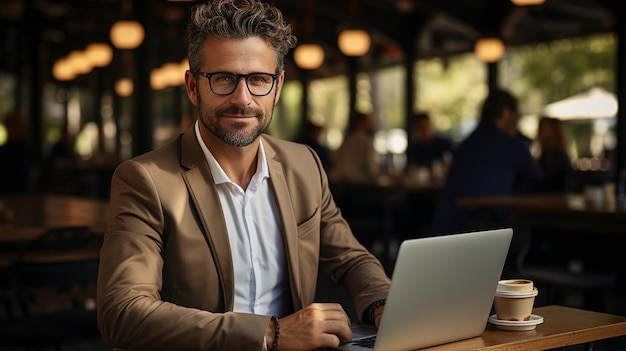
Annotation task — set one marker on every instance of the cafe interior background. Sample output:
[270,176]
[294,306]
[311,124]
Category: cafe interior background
[64,71]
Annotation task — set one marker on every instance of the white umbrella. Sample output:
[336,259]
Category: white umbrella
[591,104]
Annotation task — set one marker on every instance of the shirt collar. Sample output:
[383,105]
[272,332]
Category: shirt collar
[219,176]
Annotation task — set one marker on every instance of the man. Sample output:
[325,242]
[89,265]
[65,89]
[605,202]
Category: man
[430,152]
[215,240]
[426,147]
[356,160]
[491,161]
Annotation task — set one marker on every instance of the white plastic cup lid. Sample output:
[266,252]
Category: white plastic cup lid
[517,294]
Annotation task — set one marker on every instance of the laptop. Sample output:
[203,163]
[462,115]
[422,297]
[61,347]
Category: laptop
[442,290]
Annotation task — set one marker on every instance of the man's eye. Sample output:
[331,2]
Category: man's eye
[260,79]
[257,79]
[224,78]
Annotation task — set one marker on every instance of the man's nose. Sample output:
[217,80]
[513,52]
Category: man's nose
[241,94]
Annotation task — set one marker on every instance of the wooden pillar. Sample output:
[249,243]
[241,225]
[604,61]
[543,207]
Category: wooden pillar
[304,79]
[620,157]
[30,74]
[352,72]
[410,93]
[492,75]
[96,79]
[142,119]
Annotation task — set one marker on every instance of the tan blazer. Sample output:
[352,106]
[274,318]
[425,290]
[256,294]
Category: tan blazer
[166,274]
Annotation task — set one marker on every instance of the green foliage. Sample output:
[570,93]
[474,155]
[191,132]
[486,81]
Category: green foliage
[566,67]
[450,90]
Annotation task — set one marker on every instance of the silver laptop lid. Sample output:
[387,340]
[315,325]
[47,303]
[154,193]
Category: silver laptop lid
[442,289]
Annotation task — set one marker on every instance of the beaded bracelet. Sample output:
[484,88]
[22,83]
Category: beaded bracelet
[370,311]
[276,333]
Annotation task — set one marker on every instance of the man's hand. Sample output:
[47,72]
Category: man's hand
[317,325]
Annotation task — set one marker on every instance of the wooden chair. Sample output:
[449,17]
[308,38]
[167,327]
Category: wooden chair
[567,276]
[54,281]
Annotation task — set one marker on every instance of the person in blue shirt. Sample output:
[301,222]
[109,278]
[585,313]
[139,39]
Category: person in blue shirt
[491,161]
[426,146]
[427,151]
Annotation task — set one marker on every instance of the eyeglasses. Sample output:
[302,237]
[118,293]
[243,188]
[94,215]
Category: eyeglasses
[224,83]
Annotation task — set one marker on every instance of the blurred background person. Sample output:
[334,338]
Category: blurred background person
[356,160]
[429,154]
[528,141]
[552,156]
[427,148]
[355,177]
[310,135]
[63,148]
[60,166]
[16,157]
[491,161]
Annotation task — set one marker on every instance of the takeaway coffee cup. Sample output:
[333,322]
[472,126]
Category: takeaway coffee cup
[514,299]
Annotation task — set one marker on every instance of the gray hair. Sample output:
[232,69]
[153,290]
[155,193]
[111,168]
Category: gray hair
[237,19]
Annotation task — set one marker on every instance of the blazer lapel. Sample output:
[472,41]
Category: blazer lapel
[288,221]
[204,196]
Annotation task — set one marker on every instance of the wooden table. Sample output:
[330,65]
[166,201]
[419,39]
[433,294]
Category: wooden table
[566,211]
[24,217]
[7,258]
[601,227]
[29,216]
[562,326]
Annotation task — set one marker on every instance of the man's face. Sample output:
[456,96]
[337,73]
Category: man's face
[423,130]
[239,118]
[508,121]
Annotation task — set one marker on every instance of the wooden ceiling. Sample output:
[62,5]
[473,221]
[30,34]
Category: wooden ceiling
[49,29]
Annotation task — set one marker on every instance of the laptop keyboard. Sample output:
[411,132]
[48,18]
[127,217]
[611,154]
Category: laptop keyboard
[365,342]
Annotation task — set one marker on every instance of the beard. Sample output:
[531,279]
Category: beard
[236,134]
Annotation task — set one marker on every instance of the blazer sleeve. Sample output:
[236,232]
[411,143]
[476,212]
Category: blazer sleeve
[319,237]
[343,258]
[131,312]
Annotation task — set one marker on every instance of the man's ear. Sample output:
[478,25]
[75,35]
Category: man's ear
[191,87]
[279,87]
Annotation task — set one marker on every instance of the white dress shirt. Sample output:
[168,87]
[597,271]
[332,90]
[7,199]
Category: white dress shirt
[256,246]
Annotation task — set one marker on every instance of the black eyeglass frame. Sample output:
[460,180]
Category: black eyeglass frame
[208,75]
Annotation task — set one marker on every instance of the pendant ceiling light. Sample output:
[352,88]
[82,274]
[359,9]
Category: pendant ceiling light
[99,54]
[124,87]
[126,34]
[489,50]
[354,42]
[62,70]
[527,2]
[309,56]
[79,61]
